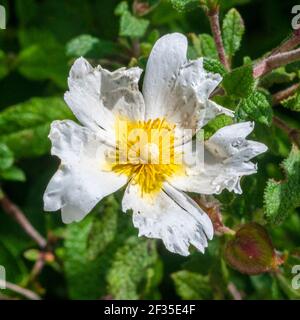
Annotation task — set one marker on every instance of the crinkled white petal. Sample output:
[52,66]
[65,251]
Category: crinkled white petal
[166,58]
[96,95]
[227,156]
[120,92]
[178,89]
[81,181]
[171,216]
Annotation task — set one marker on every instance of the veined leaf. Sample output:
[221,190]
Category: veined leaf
[239,82]
[233,30]
[130,268]
[130,26]
[293,102]
[192,286]
[214,66]
[89,46]
[204,45]
[255,107]
[25,127]
[282,197]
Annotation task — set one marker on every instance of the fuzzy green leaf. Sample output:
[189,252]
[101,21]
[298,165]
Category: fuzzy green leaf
[214,66]
[89,46]
[192,286]
[104,228]
[42,57]
[282,197]
[204,46]
[130,26]
[293,102]
[240,82]
[13,174]
[6,157]
[131,266]
[233,30]
[121,268]
[182,5]
[255,107]
[277,76]
[217,123]
[25,127]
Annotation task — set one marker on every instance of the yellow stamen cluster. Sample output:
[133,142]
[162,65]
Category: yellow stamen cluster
[146,154]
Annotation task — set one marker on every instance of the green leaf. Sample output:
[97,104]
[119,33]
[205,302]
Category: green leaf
[293,102]
[25,127]
[89,46]
[277,76]
[130,268]
[204,45]
[13,174]
[121,269]
[192,286]
[217,123]
[233,30]
[182,5]
[214,66]
[282,197]
[121,8]
[255,107]
[131,26]
[240,82]
[43,57]
[6,157]
[251,250]
[85,277]
[103,230]
[32,254]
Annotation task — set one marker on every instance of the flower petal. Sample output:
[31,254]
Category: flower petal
[178,89]
[96,95]
[171,216]
[120,92]
[227,156]
[166,58]
[81,181]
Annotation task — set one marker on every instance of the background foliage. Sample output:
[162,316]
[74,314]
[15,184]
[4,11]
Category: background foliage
[102,257]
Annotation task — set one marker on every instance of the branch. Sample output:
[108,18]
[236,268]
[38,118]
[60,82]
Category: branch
[22,291]
[213,17]
[287,45]
[284,94]
[275,61]
[234,291]
[38,267]
[11,209]
[292,133]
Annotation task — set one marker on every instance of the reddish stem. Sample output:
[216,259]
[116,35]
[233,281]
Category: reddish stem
[213,17]
[275,61]
[14,211]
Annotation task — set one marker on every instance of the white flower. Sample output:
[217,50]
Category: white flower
[175,94]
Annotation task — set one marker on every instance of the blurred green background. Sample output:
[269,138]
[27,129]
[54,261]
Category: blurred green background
[102,257]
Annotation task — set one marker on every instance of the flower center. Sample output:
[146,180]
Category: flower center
[146,154]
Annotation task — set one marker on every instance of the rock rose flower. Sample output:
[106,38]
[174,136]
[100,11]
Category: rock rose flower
[175,97]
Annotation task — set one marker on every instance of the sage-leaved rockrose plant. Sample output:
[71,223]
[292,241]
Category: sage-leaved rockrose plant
[175,97]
